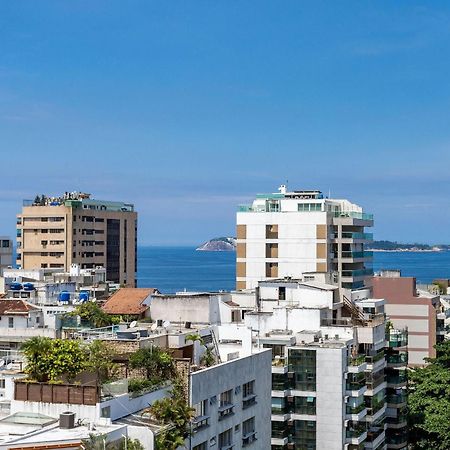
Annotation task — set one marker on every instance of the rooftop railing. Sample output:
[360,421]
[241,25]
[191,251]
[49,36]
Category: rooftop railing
[351,235]
[353,215]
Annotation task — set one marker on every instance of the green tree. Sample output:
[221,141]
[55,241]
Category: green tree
[174,412]
[91,312]
[35,350]
[156,363]
[100,361]
[50,359]
[429,402]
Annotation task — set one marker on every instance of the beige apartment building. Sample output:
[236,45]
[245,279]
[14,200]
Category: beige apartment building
[56,232]
[418,311]
[289,234]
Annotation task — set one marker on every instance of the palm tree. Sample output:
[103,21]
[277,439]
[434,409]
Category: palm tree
[34,349]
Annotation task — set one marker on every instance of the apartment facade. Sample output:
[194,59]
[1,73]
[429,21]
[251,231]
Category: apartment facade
[418,311]
[6,253]
[328,368]
[56,232]
[288,234]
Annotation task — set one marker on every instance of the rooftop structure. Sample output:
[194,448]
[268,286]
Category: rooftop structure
[288,234]
[6,253]
[55,232]
[129,301]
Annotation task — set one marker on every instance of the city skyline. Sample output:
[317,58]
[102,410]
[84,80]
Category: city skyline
[189,110]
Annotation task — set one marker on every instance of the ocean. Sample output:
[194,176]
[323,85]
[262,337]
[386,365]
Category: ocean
[172,269]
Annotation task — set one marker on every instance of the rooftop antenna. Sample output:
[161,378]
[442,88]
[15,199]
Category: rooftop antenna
[329,193]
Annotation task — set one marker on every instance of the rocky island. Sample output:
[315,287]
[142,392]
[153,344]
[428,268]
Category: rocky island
[220,244]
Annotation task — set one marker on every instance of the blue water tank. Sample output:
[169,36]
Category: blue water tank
[15,286]
[84,296]
[64,296]
[28,286]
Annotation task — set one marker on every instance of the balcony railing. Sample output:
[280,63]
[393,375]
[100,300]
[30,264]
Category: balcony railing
[397,338]
[401,358]
[354,255]
[372,359]
[351,235]
[397,379]
[357,273]
[396,398]
[356,431]
[353,215]
[355,409]
[356,360]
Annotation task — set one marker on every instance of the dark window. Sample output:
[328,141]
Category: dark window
[113,250]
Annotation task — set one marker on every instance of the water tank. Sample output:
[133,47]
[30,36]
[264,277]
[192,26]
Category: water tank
[64,296]
[16,286]
[28,286]
[67,420]
[84,296]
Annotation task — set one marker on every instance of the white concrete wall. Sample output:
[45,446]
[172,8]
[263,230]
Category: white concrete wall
[209,383]
[331,364]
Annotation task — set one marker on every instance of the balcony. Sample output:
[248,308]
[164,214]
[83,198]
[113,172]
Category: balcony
[397,360]
[357,236]
[356,364]
[397,338]
[397,441]
[353,215]
[248,401]
[226,410]
[356,413]
[398,379]
[356,434]
[400,421]
[396,400]
[353,255]
[199,423]
[356,273]
[375,437]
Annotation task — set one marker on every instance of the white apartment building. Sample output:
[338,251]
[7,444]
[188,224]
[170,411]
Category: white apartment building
[289,234]
[6,253]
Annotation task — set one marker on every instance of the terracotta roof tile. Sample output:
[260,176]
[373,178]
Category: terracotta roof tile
[12,306]
[128,301]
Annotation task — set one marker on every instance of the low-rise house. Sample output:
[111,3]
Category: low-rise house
[129,302]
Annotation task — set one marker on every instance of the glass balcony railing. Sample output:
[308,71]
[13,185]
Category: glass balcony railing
[372,359]
[396,439]
[356,431]
[400,358]
[397,398]
[355,409]
[280,434]
[357,273]
[397,338]
[353,215]
[399,378]
[356,360]
[354,255]
[351,235]
[355,385]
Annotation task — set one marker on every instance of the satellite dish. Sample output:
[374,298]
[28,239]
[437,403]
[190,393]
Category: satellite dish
[166,324]
[9,366]
[2,362]
[133,324]
[154,326]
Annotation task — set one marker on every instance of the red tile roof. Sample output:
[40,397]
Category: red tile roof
[128,301]
[12,306]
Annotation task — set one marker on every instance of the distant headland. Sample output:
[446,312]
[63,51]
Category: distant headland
[220,244]
[228,244]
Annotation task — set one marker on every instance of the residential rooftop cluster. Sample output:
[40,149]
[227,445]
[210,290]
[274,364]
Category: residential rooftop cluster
[311,351]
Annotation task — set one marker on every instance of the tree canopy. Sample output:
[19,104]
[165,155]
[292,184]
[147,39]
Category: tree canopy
[429,402]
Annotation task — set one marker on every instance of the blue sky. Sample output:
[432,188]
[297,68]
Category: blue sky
[190,108]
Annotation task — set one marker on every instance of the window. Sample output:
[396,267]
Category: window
[248,426]
[226,398]
[248,388]
[202,446]
[303,364]
[200,409]
[309,207]
[5,244]
[304,434]
[10,322]
[225,439]
[2,383]
[106,412]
